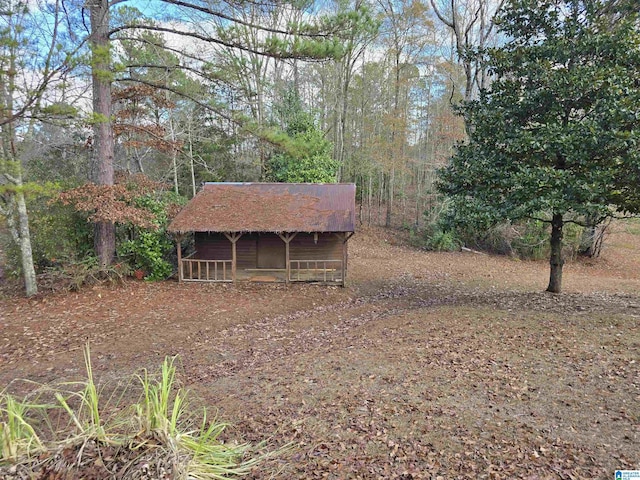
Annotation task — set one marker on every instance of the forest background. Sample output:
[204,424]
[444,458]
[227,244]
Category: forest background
[113,113]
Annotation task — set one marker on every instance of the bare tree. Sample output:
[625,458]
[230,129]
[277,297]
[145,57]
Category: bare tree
[470,23]
[30,62]
[406,33]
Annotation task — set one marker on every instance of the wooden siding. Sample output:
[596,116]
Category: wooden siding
[271,251]
[212,246]
[303,247]
[315,258]
[215,246]
[267,250]
[247,251]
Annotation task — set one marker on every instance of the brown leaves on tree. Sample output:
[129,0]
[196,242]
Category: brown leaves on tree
[114,203]
[136,120]
[134,93]
[151,136]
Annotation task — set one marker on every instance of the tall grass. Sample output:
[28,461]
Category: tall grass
[86,417]
[17,437]
[162,406]
[161,421]
[163,414]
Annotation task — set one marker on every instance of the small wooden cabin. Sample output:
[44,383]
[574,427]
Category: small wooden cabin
[269,232]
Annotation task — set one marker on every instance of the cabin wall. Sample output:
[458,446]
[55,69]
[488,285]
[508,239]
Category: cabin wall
[216,246]
[247,251]
[303,247]
[267,250]
[271,251]
[212,246]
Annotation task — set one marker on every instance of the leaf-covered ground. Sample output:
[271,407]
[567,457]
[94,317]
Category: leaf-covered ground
[427,366]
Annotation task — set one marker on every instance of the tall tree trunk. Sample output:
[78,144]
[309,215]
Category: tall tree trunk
[19,227]
[174,157]
[103,143]
[28,269]
[345,78]
[20,232]
[419,178]
[370,199]
[390,193]
[556,261]
[380,197]
[191,166]
[394,135]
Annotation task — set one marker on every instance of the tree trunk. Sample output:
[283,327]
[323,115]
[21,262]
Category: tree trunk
[191,166]
[28,270]
[380,197]
[174,157]
[556,260]
[345,78]
[591,240]
[390,195]
[103,143]
[18,223]
[20,232]
[370,199]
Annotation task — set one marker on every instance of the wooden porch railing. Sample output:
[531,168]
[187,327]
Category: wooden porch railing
[316,270]
[199,270]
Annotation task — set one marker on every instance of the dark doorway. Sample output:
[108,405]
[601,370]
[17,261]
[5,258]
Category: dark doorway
[271,252]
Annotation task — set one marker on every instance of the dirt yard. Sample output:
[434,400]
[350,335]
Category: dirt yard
[429,365]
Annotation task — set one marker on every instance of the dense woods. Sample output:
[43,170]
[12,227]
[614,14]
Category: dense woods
[145,104]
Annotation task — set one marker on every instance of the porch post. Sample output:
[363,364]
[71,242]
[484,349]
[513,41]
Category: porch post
[233,260]
[233,238]
[346,237]
[286,238]
[179,251]
[287,264]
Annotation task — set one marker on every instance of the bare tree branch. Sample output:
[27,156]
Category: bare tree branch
[239,21]
[214,40]
[448,23]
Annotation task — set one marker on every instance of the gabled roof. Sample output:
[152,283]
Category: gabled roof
[269,207]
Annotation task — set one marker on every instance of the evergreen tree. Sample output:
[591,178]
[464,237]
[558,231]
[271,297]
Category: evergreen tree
[556,136]
[307,154]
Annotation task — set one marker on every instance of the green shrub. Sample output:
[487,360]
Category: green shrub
[435,239]
[444,241]
[147,252]
[528,240]
[59,235]
[148,249]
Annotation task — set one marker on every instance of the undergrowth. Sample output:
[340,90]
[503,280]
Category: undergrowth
[632,226]
[104,437]
[525,240]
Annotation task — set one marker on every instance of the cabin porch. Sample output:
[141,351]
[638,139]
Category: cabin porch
[266,257]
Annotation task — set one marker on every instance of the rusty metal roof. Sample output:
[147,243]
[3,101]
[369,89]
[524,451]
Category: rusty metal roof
[269,207]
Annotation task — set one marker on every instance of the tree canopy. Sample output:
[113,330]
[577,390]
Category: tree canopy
[556,135]
[306,155]
[188,92]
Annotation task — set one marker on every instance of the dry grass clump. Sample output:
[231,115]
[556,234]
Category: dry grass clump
[79,433]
